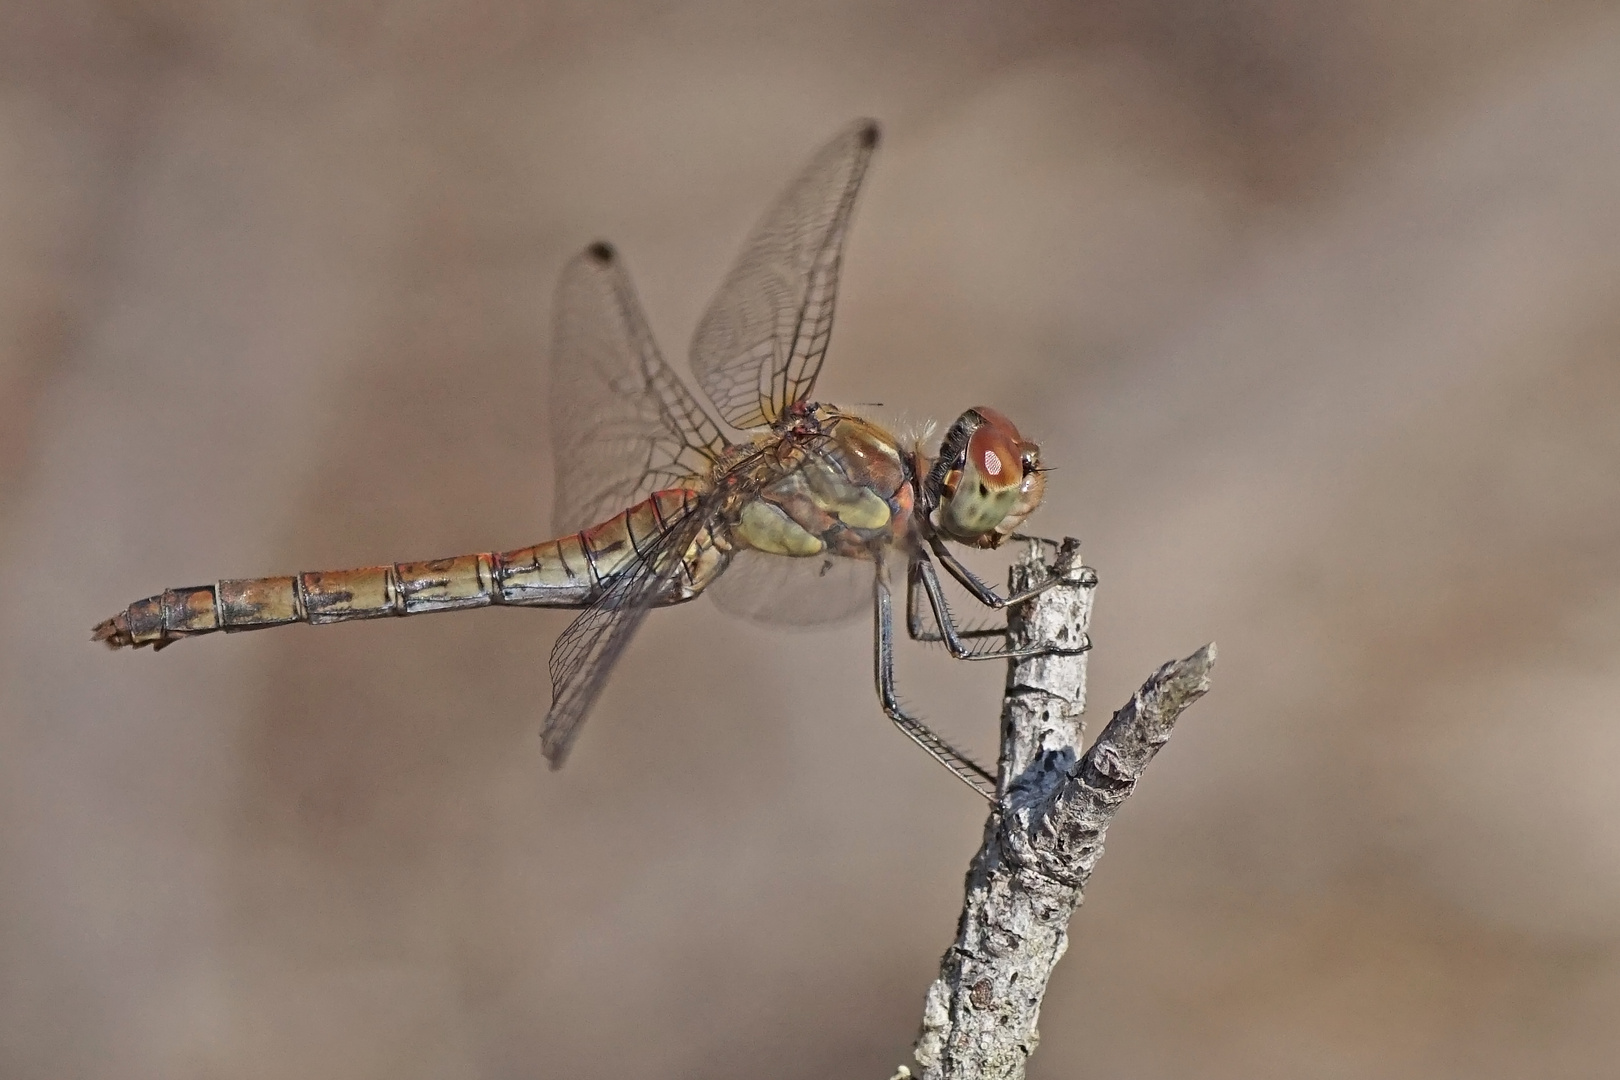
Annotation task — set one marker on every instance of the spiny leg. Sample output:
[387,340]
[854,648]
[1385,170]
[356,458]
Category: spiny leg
[922,572]
[1067,553]
[960,765]
[921,625]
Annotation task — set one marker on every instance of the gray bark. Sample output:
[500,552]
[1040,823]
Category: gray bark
[1045,835]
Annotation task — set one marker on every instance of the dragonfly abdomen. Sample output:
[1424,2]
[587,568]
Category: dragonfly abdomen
[569,572]
[321,596]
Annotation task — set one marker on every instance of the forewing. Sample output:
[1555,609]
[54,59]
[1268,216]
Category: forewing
[585,653]
[759,345]
[623,423]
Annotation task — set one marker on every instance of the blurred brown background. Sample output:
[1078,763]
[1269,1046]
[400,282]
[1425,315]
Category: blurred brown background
[1313,306]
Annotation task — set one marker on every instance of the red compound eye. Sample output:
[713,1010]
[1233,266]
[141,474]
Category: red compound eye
[992,451]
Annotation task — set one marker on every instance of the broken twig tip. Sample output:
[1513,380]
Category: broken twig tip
[1197,666]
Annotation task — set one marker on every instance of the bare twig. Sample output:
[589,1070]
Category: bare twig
[1045,835]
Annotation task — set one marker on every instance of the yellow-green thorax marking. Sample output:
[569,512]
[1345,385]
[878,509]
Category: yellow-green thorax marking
[837,491]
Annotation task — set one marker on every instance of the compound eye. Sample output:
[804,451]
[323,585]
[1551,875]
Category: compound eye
[993,458]
[990,464]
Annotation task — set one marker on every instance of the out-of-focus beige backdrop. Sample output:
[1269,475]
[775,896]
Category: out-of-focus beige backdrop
[1313,307]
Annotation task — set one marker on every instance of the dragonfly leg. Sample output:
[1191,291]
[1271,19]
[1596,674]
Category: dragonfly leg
[984,594]
[921,624]
[922,573]
[959,764]
[1055,545]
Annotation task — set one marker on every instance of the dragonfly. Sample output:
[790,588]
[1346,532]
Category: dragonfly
[760,496]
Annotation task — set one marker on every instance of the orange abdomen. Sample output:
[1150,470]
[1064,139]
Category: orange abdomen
[565,573]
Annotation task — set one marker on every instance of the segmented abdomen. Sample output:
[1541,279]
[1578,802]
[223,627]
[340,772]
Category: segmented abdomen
[570,572]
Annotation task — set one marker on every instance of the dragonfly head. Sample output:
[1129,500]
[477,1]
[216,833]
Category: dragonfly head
[986,480]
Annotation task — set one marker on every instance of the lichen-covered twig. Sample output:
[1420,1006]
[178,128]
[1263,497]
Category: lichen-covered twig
[1045,834]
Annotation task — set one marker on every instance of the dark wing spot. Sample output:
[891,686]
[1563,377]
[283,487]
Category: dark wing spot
[602,252]
[869,133]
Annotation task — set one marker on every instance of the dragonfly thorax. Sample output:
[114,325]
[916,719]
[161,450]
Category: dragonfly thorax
[829,483]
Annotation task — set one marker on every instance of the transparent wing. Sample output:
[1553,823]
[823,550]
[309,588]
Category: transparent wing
[760,344]
[783,591]
[623,424]
[585,653]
